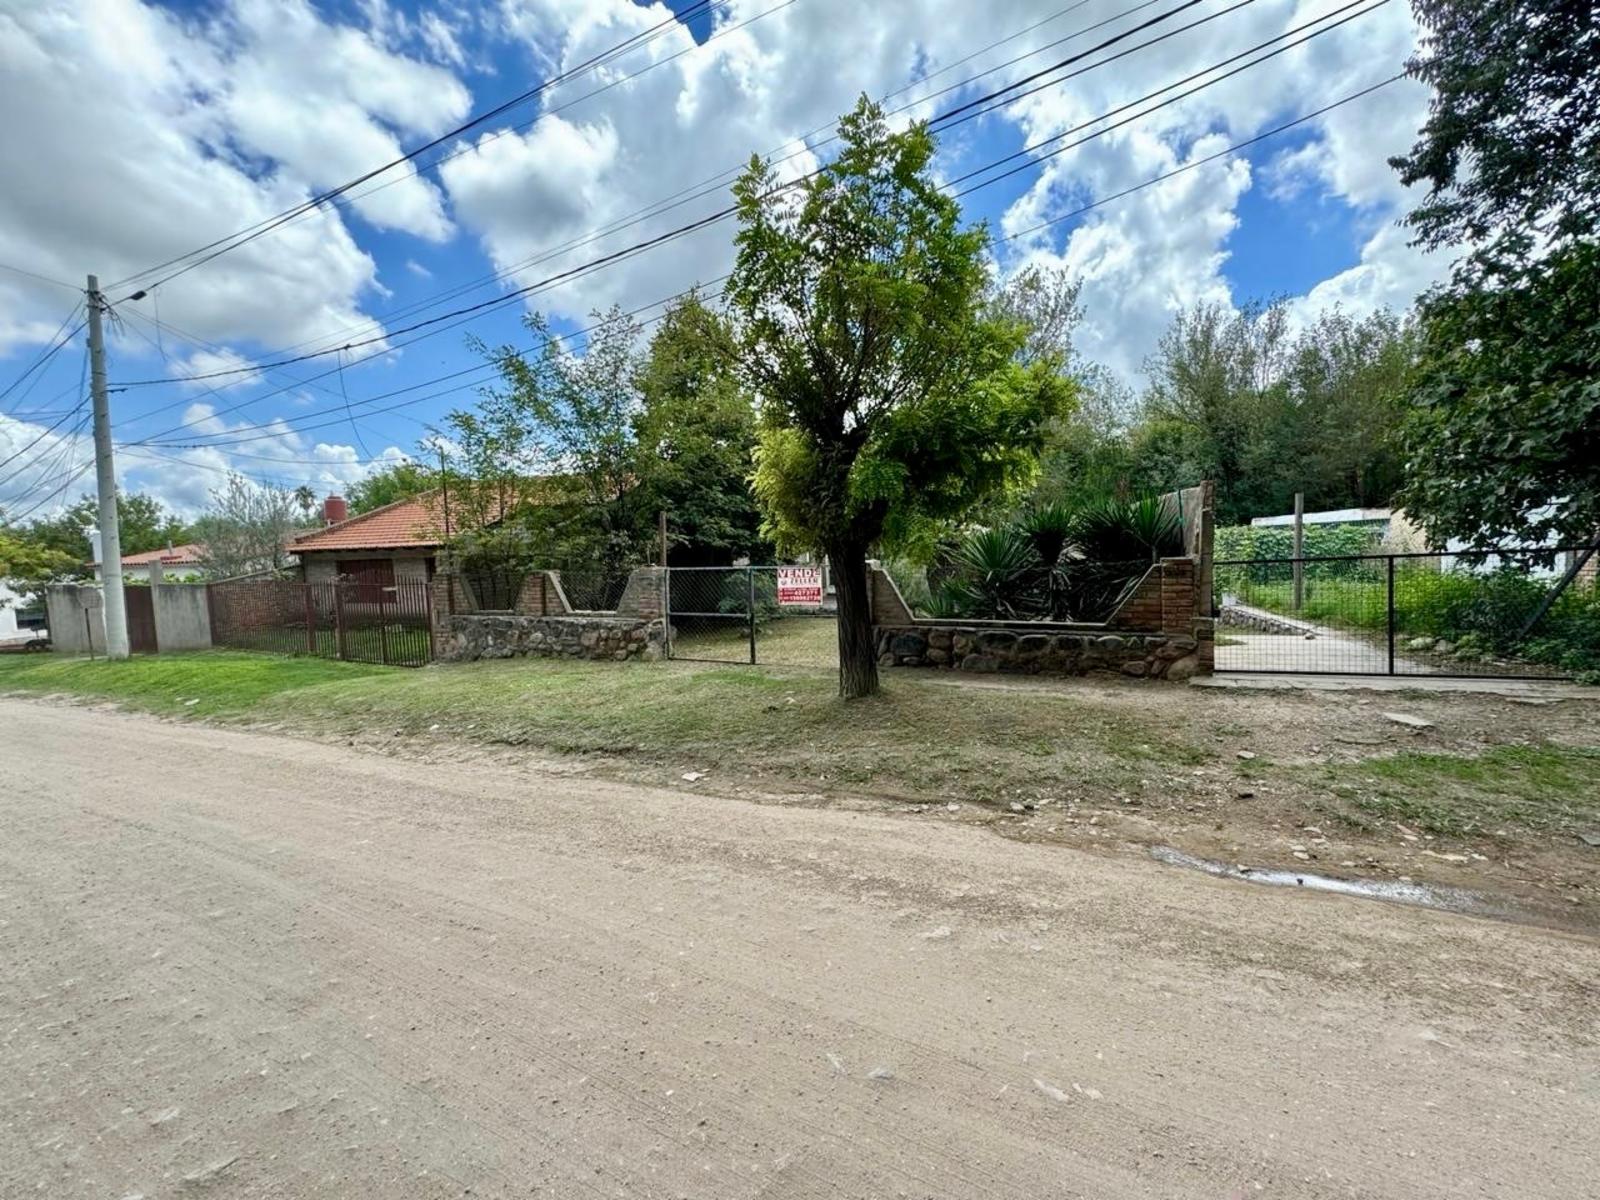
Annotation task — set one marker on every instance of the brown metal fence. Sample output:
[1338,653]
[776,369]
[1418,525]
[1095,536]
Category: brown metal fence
[354,621]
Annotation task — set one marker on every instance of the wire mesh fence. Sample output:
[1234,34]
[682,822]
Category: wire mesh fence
[594,588]
[1520,613]
[764,615]
[353,621]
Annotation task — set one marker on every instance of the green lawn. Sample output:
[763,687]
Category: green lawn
[223,682]
[1548,788]
[926,737]
[919,738]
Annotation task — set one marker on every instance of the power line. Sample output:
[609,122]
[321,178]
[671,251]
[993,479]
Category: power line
[41,278]
[1034,162]
[1104,131]
[239,238]
[55,342]
[1210,158]
[682,197]
[717,182]
[693,226]
[1077,212]
[486,370]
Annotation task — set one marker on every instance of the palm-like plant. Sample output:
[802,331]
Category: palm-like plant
[997,573]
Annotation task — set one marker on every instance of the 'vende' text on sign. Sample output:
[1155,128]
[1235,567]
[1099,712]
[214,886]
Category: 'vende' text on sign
[800,586]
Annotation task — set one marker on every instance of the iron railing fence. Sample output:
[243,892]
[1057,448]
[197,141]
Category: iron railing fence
[771,615]
[353,621]
[1509,613]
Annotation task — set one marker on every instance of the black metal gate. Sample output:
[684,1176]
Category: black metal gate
[770,615]
[1517,613]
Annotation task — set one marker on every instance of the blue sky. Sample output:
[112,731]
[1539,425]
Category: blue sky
[209,117]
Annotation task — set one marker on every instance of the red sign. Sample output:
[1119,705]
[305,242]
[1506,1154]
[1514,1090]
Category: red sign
[800,586]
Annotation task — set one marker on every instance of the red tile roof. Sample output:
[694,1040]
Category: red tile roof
[418,522]
[172,556]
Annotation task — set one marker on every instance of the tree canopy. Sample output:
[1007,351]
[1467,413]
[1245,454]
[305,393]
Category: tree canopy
[890,398]
[1503,432]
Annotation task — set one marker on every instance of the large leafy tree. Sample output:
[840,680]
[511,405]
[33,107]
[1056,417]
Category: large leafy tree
[547,455]
[27,565]
[695,438]
[890,398]
[1502,439]
[391,484]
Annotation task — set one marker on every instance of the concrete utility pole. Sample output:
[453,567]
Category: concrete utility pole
[105,473]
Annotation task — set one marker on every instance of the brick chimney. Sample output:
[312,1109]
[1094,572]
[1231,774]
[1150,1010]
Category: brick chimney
[334,510]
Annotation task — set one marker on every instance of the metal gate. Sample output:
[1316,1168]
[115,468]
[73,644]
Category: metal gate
[351,621]
[772,615]
[1507,614]
[138,604]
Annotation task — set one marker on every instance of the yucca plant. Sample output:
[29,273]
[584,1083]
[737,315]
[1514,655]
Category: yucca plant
[1049,528]
[998,575]
[1122,531]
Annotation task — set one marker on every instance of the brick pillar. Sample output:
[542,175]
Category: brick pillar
[888,606]
[531,597]
[1178,595]
[644,597]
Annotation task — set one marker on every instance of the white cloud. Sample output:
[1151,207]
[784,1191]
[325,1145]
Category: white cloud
[190,131]
[193,128]
[209,362]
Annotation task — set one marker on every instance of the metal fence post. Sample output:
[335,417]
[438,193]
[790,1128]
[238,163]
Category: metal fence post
[1391,614]
[338,620]
[383,631]
[666,609]
[750,579]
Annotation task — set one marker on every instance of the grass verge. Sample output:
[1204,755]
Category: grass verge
[1542,788]
[747,723]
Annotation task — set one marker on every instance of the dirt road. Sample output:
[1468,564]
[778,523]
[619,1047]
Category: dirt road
[240,965]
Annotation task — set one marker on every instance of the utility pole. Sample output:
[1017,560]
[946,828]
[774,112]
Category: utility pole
[105,473]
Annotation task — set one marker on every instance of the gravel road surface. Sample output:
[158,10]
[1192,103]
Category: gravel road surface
[239,965]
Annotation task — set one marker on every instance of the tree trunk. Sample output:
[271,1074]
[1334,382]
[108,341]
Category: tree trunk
[858,655]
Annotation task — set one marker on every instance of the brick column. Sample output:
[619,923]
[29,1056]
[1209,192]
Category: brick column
[1177,595]
[644,597]
[531,598]
[888,606]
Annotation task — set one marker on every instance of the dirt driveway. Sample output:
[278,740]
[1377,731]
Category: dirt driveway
[242,965]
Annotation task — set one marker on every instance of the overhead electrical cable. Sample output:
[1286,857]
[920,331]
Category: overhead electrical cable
[233,241]
[670,235]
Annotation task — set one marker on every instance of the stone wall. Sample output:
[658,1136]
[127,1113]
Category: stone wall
[1158,632]
[544,625]
[1031,649]
[471,636]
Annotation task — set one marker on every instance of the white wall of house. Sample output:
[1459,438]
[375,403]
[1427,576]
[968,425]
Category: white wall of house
[324,567]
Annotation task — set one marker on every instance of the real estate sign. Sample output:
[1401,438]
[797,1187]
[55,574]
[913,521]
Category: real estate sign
[800,586]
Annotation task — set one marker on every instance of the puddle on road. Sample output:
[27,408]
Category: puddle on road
[1447,899]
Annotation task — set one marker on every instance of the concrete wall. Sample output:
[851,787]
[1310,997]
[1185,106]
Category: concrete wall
[66,605]
[183,618]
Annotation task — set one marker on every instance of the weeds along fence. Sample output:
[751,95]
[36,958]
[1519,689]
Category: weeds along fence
[354,621]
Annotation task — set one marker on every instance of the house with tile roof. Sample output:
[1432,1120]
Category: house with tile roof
[174,564]
[395,543]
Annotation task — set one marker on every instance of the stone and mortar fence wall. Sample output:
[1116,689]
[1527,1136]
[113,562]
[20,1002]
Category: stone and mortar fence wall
[543,623]
[1157,633]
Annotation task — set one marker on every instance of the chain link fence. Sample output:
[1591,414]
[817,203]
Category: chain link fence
[775,616]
